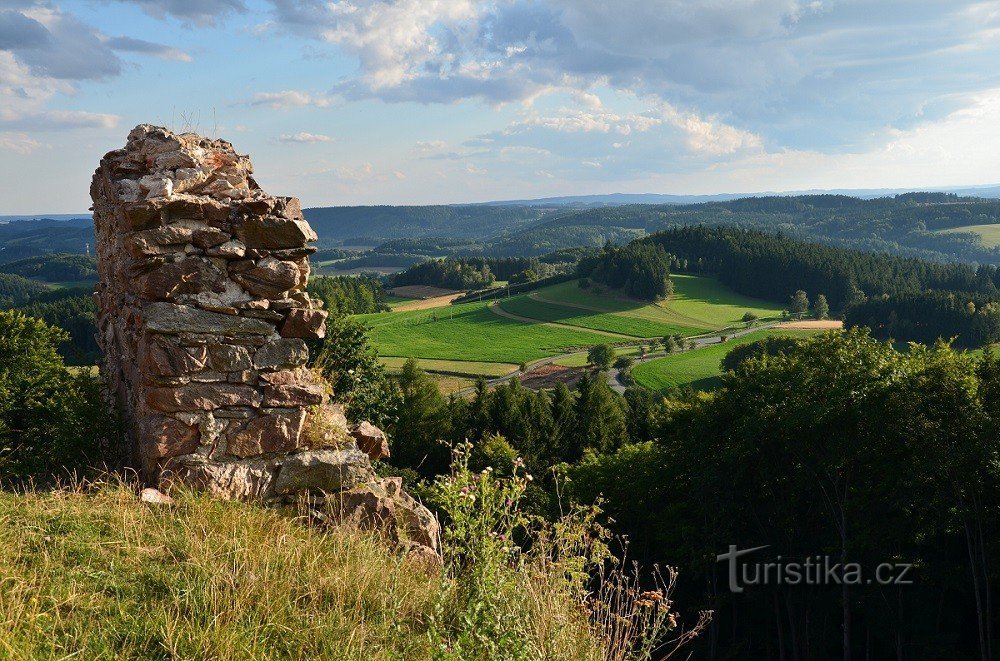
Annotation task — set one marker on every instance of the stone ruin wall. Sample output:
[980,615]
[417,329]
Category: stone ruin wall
[202,321]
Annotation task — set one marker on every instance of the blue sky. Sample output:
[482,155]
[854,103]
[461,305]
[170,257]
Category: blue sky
[437,101]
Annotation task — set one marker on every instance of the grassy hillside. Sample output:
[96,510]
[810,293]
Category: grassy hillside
[989,234]
[102,576]
[698,369]
[463,335]
[469,332]
[698,304]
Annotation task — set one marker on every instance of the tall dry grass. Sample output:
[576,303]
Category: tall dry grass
[94,574]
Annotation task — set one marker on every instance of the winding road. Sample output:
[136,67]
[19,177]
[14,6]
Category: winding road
[700,342]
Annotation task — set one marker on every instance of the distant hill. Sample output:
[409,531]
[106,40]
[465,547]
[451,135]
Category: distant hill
[376,224]
[31,238]
[910,223]
[621,199]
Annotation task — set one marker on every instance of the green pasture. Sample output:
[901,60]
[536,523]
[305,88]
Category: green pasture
[698,304]
[470,332]
[621,323]
[989,234]
[698,368]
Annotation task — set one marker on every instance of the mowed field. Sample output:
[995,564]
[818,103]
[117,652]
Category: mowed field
[699,368]
[473,339]
[990,234]
[699,304]
[470,332]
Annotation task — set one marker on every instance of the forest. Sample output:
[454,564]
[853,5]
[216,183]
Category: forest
[893,461]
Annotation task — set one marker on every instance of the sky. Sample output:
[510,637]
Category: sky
[448,101]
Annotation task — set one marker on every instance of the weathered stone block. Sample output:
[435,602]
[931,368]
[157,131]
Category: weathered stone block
[161,437]
[273,233]
[269,278]
[371,440]
[323,471]
[276,432]
[308,324]
[280,354]
[229,358]
[293,395]
[169,318]
[202,397]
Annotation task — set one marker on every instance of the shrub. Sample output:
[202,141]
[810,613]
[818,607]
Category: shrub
[50,418]
[601,356]
[498,594]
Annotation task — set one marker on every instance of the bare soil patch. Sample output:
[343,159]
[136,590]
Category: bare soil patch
[547,376]
[812,324]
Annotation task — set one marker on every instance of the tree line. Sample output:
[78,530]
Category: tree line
[344,294]
[639,270]
[836,446]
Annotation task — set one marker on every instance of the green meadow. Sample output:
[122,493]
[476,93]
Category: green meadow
[989,234]
[470,338]
[699,304]
[700,368]
[470,332]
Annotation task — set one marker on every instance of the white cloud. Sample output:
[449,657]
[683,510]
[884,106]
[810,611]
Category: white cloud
[287,99]
[426,146]
[302,136]
[472,169]
[19,143]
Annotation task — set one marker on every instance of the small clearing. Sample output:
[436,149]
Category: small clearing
[813,324]
[547,376]
[426,303]
[422,292]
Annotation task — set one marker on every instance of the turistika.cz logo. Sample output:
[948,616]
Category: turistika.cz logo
[813,570]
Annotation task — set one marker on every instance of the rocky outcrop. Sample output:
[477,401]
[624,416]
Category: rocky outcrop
[202,319]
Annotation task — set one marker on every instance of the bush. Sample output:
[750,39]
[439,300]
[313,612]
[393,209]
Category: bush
[498,593]
[359,381]
[601,356]
[50,418]
[624,363]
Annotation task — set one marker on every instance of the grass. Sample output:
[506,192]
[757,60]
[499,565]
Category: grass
[464,367]
[469,332]
[98,575]
[580,359]
[989,234]
[699,303]
[622,324]
[449,384]
[699,368]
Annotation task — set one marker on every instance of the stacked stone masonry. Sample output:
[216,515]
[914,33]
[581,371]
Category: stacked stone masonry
[202,320]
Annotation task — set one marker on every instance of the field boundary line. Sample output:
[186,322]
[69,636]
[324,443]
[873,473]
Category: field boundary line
[495,308]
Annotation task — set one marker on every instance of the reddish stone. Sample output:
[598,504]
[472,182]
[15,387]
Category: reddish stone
[289,207]
[371,440]
[273,233]
[293,395]
[162,437]
[209,238]
[230,358]
[269,278]
[202,397]
[277,432]
[196,207]
[286,377]
[189,276]
[307,324]
[163,358]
